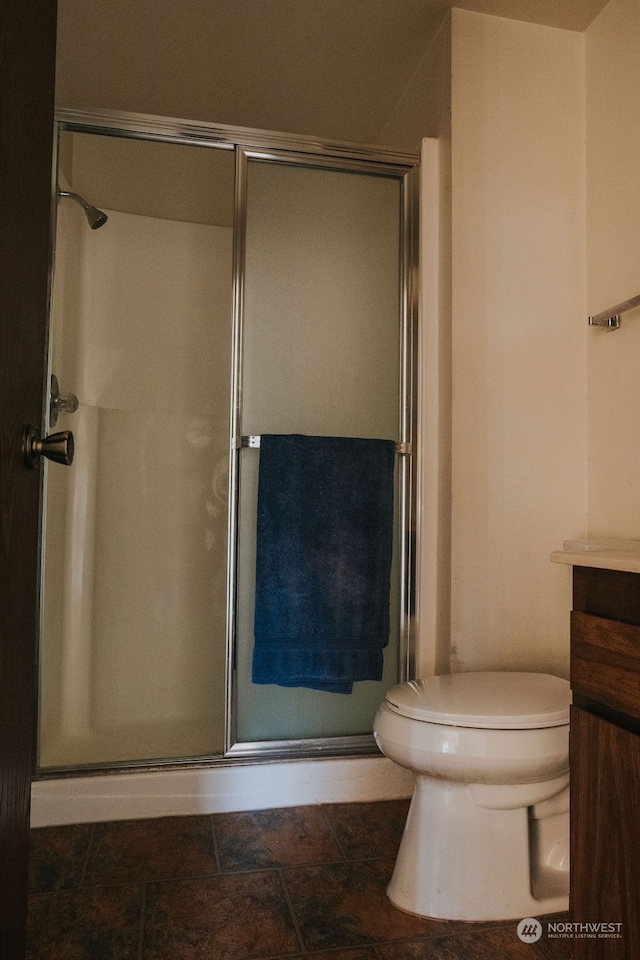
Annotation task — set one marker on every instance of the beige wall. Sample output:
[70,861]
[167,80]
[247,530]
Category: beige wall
[613,271]
[169,181]
[518,484]
[424,113]
[507,105]
[424,110]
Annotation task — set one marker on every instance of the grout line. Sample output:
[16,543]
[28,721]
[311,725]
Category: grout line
[292,911]
[143,917]
[333,832]
[298,865]
[85,865]
[180,878]
[216,848]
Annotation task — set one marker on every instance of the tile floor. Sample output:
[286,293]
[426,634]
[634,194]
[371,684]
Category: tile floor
[291,883]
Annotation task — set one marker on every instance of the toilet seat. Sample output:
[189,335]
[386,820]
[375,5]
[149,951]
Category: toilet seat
[490,700]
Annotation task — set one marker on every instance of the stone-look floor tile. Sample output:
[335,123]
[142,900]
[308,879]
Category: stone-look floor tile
[272,838]
[156,849]
[345,904]
[356,953]
[231,917]
[551,948]
[102,923]
[486,944]
[552,945]
[194,913]
[368,829]
[556,947]
[57,857]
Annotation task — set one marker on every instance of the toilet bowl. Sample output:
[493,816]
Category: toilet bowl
[487,834]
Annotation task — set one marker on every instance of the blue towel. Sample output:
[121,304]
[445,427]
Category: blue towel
[323,562]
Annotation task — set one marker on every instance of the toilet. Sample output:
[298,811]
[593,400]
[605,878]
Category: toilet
[487,834]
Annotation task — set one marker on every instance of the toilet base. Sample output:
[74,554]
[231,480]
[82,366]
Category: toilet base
[461,861]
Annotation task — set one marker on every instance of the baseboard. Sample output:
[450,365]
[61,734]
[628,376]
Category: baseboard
[216,789]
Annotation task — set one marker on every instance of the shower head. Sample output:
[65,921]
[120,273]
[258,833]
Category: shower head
[95,218]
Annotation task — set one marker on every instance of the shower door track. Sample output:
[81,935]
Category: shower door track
[249,143]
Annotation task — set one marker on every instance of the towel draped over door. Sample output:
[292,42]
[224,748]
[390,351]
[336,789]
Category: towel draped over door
[323,561]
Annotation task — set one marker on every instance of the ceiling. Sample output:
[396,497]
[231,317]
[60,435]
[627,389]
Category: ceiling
[327,68]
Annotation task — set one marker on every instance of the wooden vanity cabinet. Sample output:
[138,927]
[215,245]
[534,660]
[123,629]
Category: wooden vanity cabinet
[604,747]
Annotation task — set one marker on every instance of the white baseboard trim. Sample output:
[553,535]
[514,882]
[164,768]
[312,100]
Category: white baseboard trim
[216,789]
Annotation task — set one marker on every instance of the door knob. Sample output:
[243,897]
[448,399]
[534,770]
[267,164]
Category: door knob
[57,446]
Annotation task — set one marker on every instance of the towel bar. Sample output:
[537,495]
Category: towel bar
[611,318]
[402,446]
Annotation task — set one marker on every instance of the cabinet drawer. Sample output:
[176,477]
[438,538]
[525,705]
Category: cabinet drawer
[605,662]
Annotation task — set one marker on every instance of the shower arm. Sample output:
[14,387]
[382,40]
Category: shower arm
[73,196]
[95,218]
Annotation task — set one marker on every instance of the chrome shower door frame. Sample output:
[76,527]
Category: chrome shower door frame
[383,163]
[251,144]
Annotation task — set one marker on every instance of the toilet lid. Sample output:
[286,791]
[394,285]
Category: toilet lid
[498,701]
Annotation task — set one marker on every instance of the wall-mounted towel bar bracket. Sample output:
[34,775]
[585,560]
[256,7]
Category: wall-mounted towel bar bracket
[253,441]
[611,318]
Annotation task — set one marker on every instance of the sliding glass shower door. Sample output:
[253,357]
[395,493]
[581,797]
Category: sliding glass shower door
[243,283]
[135,599]
[321,355]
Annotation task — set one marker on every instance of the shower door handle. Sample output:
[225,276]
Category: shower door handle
[60,402]
[57,446]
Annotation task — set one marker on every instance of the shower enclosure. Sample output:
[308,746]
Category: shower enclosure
[242,283]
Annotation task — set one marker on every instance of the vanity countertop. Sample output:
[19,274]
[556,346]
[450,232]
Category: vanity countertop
[604,554]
